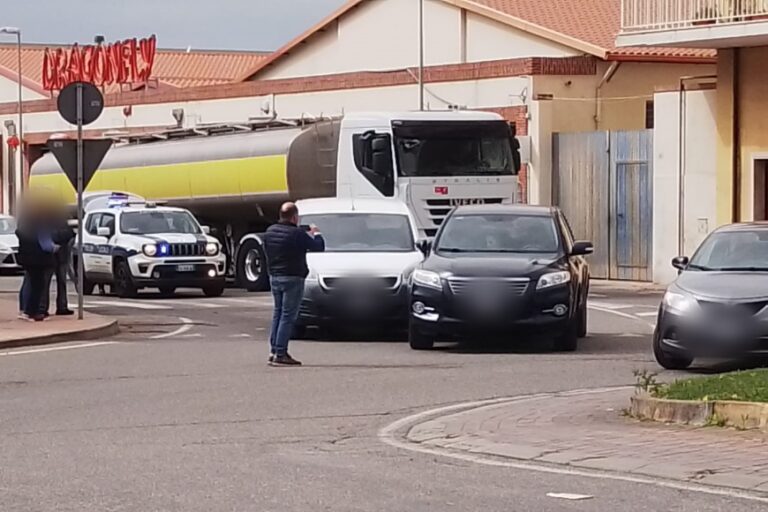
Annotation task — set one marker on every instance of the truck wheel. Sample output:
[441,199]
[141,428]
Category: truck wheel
[252,267]
[214,290]
[123,285]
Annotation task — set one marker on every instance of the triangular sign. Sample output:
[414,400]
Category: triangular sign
[65,151]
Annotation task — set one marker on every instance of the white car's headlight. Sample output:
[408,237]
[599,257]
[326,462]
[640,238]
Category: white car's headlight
[680,303]
[553,279]
[149,250]
[427,278]
[211,248]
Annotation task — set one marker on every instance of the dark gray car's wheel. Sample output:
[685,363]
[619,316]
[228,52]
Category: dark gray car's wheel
[568,341]
[123,283]
[419,340]
[665,359]
[252,267]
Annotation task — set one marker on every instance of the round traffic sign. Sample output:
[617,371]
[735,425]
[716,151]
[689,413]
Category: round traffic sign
[93,102]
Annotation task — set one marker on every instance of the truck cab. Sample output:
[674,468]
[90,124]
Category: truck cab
[132,244]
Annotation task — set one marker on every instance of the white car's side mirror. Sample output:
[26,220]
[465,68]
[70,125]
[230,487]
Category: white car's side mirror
[105,232]
[206,230]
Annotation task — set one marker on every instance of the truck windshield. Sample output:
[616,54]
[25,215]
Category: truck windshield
[7,226]
[155,222]
[451,148]
[363,232]
[499,233]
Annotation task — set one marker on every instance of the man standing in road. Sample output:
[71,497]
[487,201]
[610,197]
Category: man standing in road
[287,245]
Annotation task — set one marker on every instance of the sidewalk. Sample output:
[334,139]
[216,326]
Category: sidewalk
[634,287]
[17,333]
[587,430]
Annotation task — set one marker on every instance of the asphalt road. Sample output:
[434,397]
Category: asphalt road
[182,413]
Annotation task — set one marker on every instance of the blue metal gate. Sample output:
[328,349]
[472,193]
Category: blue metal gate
[603,181]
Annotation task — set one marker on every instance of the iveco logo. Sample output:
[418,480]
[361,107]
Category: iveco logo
[463,202]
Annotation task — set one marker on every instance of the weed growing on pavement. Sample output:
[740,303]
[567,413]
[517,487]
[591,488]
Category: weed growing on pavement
[645,382]
[743,386]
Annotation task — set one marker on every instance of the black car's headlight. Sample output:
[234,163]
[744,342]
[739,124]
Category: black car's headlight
[553,279]
[680,303]
[427,278]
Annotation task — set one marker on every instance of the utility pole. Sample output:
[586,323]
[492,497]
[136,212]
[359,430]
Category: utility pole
[421,54]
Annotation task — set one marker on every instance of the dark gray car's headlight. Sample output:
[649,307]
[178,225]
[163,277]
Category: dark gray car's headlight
[427,278]
[680,303]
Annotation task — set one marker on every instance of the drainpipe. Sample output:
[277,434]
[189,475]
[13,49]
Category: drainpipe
[736,214]
[598,90]
[681,145]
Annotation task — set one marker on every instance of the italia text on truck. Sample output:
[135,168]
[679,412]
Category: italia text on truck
[128,61]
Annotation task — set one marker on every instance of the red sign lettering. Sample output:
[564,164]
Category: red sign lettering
[441,191]
[128,61]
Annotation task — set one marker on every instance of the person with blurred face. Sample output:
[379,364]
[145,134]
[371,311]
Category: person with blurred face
[63,236]
[36,253]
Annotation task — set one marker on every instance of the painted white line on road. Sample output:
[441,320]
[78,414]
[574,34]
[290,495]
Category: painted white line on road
[621,314]
[181,330]
[130,304]
[240,335]
[192,303]
[647,313]
[193,335]
[55,349]
[256,301]
[389,435]
[608,305]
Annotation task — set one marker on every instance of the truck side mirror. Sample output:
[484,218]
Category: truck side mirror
[381,156]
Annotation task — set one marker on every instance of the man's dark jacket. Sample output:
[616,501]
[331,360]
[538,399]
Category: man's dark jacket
[287,246]
[31,253]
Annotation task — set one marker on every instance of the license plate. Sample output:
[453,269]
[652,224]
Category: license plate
[185,268]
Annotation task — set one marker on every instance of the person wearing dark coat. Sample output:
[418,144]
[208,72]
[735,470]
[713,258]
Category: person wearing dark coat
[36,256]
[63,236]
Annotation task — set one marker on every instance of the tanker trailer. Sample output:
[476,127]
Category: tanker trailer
[234,183]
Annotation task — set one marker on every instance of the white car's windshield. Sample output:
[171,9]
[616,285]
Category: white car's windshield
[733,251]
[499,233]
[154,222]
[363,232]
[7,226]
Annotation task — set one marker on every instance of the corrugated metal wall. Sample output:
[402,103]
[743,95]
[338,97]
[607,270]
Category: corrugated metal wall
[603,183]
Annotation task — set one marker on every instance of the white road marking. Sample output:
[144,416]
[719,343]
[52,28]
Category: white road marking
[181,330]
[192,303]
[647,313]
[569,496]
[193,335]
[131,304]
[388,435]
[249,302]
[55,349]
[240,335]
[608,305]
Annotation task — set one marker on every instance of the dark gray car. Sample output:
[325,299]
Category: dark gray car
[717,305]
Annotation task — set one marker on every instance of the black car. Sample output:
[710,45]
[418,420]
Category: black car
[717,305]
[501,269]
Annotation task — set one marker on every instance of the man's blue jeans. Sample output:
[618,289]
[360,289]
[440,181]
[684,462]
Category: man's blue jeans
[287,292]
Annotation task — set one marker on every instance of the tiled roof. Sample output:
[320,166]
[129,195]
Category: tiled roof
[173,68]
[596,22]
[589,25]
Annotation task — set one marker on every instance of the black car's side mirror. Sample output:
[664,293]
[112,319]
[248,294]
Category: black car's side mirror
[680,262]
[582,248]
[424,246]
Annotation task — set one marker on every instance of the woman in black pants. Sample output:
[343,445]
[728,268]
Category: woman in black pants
[36,255]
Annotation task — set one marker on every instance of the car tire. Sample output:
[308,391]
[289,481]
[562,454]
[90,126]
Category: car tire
[167,291]
[88,286]
[249,276]
[216,290]
[418,340]
[568,341]
[583,313]
[666,360]
[123,285]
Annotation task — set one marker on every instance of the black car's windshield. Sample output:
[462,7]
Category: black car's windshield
[742,250]
[155,222]
[434,149]
[363,232]
[7,226]
[499,233]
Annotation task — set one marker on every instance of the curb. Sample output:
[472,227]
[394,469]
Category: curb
[107,328]
[724,413]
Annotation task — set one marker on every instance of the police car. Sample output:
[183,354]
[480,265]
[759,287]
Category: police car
[131,244]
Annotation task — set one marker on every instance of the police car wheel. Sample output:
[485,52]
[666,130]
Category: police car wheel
[123,285]
[88,287]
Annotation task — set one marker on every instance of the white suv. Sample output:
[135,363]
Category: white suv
[130,244]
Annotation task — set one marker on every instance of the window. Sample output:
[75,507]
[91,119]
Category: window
[649,115]
[491,233]
[92,223]
[364,232]
[152,222]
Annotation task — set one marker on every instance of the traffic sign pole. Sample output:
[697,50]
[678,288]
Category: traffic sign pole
[80,264]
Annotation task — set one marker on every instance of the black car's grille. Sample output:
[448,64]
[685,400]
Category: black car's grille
[360,283]
[736,309]
[471,286]
[187,249]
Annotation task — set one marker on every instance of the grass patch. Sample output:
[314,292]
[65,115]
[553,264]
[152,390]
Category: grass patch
[745,386]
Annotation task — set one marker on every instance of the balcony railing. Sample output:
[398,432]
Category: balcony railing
[660,15]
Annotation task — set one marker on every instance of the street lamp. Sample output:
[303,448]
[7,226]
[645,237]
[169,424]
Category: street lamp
[18,179]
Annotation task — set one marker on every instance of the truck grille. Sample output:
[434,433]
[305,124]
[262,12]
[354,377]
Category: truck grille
[514,287]
[360,283]
[438,209]
[187,249]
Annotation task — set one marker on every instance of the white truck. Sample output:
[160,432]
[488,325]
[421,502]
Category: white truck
[234,177]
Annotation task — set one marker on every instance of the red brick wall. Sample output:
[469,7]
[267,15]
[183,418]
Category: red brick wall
[518,115]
